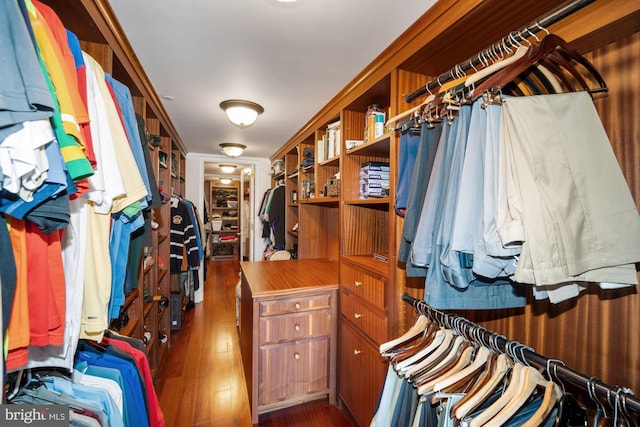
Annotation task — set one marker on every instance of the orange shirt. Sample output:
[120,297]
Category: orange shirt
[18,333]
[46,285]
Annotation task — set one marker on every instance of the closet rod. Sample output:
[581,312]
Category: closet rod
[528,30]
[600,389]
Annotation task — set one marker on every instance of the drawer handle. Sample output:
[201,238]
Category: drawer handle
[297,327]
[297,306]
[296,356]
[357,315]
[358,284]
[356,352]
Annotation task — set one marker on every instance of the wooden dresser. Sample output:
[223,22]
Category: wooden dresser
[288,329]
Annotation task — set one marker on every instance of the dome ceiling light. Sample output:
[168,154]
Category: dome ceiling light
[232,149]
[241,113]
[227,168]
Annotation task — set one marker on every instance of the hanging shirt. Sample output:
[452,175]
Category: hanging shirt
[24,95]
[183,238]
[61,85]
[74,252]
[277,216]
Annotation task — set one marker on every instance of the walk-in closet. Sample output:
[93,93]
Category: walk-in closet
[450,239]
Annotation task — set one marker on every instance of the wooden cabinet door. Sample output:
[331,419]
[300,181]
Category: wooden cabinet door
[361,374]
[294,369]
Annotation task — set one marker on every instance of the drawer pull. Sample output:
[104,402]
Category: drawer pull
[358,284]
[297,306]
[296,356]
[297,327]
[357,315]
[356,352]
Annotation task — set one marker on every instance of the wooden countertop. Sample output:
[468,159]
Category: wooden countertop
[277,277]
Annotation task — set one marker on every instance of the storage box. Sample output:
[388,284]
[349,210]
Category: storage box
[333,187]
[277,167]
[216,224]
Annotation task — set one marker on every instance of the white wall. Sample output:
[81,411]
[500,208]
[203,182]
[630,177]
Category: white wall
[194,191]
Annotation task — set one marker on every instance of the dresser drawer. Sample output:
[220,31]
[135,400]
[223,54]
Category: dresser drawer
[289,327]
[293,370]
[366,286]
[368,321]
[295,305]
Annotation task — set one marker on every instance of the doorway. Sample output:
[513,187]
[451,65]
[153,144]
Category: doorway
[228,193]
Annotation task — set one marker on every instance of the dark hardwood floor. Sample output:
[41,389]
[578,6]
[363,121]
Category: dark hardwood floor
[201,381]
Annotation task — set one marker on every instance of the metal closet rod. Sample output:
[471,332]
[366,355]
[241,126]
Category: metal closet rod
[509,40]
[613,394]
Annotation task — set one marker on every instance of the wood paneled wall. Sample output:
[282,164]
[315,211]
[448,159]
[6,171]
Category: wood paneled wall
[599,332]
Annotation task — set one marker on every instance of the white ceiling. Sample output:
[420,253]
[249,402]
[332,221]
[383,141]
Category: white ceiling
[291,60]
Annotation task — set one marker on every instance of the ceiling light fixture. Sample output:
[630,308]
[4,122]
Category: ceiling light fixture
[286,3]
[227,168]
[232,149]
[241,113]
[225,181]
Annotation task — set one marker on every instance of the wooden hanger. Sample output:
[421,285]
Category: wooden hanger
[417,109]
[429,336]
[417,329]
[503,365]
[460,363]
[423,364]
[481,356]
[444,364]
[485,374]
[496,66]
[412,346]
[510,392]
[550,78]
[440,337]
[529,379]
[416,371]
[550,44]
[552,395]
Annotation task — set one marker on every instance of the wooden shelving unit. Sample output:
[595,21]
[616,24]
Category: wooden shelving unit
[94,23]
[352,229]
[225,213]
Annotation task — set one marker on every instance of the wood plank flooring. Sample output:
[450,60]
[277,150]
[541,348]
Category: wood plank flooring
[201,381]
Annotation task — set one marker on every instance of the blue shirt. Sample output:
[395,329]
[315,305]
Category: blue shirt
[125,102]
[132,391]
[106,372]
[95,396]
